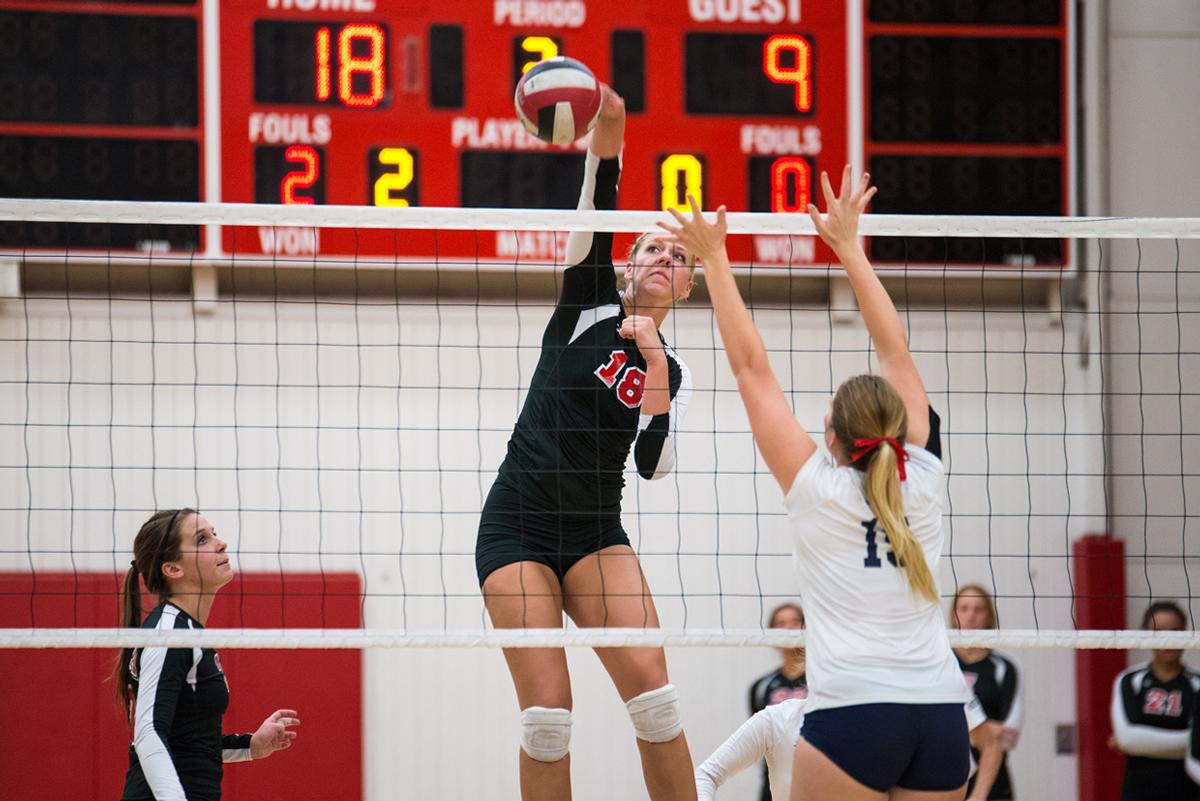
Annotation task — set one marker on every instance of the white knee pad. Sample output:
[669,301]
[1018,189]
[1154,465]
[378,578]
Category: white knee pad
[545,733]
[655,715]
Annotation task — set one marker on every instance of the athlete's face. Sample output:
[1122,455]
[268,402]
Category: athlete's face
[204,565]
[788,618]
[1166,620]
[659,272]
[971,611]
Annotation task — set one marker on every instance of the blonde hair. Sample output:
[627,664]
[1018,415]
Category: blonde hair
[865,407]
[973,589]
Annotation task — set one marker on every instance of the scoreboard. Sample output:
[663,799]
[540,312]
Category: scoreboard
[955,106]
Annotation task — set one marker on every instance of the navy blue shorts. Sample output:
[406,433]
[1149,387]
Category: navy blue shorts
[912,746]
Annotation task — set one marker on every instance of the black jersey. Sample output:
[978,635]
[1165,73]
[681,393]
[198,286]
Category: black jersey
[768,690]
[775,687]
[996,682]
[1192,761]
[181,694]
[1151,721]
[566,457]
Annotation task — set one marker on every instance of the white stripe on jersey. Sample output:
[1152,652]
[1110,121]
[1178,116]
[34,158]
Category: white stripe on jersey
[589,317]
[152,752]
[679,407]
[580,242]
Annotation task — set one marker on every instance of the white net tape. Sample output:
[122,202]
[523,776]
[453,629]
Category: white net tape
[553,638]
[433,218]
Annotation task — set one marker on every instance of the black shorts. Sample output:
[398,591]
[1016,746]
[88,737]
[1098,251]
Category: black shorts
[911,746]
[1148,778]
[509,533]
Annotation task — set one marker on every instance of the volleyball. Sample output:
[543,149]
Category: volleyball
[558,100]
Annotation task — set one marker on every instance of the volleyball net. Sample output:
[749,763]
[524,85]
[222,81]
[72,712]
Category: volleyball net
[340,418]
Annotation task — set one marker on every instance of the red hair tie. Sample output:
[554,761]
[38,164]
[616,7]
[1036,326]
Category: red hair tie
[865,446]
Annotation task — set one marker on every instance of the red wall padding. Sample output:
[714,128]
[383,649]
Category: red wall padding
[1098,563]
[63,735]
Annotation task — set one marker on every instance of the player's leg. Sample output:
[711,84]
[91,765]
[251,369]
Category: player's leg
[816,777]
[900,794]
[607,589]
[528,595]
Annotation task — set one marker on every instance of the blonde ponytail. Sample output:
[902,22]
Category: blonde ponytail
[866,407]
[882,488]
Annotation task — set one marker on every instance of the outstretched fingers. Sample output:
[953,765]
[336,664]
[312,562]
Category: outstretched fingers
[827,190]
[842,192]
[865,200]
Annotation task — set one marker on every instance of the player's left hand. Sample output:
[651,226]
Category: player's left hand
[644,333]
[273,734]
[699,237]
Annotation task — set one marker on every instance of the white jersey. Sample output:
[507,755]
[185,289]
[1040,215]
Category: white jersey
[870,639]
[771,734]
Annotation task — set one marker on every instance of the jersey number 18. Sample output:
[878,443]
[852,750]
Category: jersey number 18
[632,384]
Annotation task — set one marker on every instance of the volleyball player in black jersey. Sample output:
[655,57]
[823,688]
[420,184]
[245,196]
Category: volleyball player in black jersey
[1152,709]
[787,682]
[994,678]
[550,537]
[174,698]
[1191,761]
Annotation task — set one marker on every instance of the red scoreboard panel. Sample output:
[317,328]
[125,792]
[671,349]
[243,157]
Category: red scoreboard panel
[411,102]
[955,108]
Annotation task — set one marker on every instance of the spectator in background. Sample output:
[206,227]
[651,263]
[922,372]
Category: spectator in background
[1152,708]
[786,682]
[994,678]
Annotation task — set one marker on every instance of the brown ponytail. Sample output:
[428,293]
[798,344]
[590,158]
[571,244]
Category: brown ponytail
[867,407]
[157,542]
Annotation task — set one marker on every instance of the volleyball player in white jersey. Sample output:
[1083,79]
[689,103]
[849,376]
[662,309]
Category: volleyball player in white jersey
[771,734]
[885,692]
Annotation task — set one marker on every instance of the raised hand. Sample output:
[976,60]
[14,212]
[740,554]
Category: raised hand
[273,734]
[612,105]
[839,227]
[609,133]
[702,239]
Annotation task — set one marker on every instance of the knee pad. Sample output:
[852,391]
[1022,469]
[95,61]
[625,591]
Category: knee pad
[655,715]
[545,733]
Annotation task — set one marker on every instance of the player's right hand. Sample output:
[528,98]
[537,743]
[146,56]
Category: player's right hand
[612,105]
[839,227]
[273,734]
